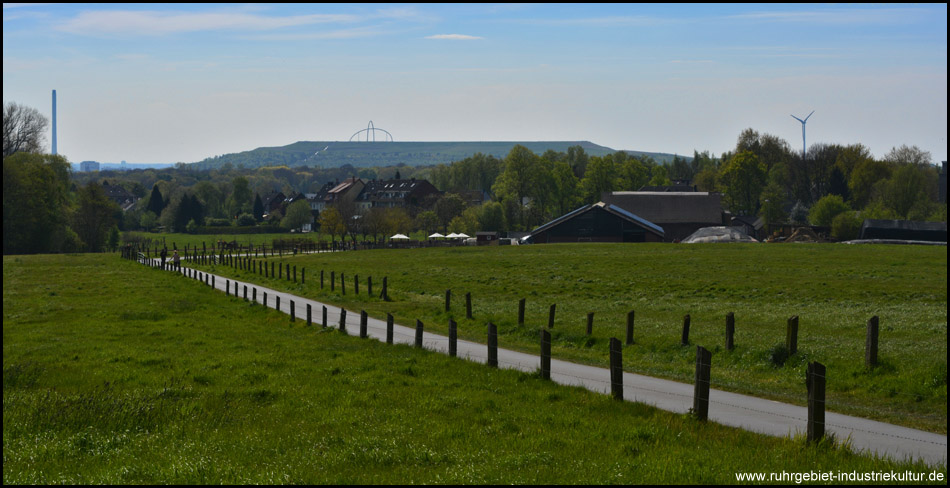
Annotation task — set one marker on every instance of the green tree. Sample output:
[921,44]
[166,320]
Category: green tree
[826,209]
[148,220]
[258,207]
[660,176]
[240,200]
[331,222]
[633,175]
[600,177]
[864,177]
[492,216]
[427,221]
[298,215]
[846,226]
[113,242]
[564,198]
[94,216]
[156,202]
[396,221]
[742,180]
[447,208]
[773,205]
[35,192]
[517,181]
[909,187]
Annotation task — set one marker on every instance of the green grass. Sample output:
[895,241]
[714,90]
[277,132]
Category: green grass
[115,373]
[834,289]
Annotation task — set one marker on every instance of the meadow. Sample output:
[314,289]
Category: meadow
[116,373]
[833,289]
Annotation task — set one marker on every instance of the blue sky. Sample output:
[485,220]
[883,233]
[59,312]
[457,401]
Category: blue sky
[179,83]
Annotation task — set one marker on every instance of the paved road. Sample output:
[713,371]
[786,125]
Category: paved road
[746,412]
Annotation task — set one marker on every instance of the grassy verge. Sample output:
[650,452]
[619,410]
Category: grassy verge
[834,289]
[113,373]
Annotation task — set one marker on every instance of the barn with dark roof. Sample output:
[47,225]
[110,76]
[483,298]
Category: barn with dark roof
[678,213]
[598,222]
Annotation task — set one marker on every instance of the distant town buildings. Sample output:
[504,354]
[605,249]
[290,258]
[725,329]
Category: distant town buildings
[87,166]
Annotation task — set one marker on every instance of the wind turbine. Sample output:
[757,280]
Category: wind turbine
[803,132]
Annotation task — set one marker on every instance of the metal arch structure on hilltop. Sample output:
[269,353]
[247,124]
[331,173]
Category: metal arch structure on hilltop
[370,129]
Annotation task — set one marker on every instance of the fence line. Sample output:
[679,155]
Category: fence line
[438,340]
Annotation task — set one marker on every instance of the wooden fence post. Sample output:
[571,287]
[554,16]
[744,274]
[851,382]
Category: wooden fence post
[791,335]
[254,295]
[389,328]
[545,355]
[551,311]
[418,333]
[245,293]
[684,340]
[369,286]
[590,323]
[309,316]
[227,287]
[448,300]
[815,378]
[342,320]
[730,331]
[701,387]
[342,283]
[324,316]
[332,280]
[870,343]
[616,368]
[521,312]
[321,279]
[265,299]
[293,317]
[468,305]
[630,316]
[453,338]
[363,326]
[356,284]
[492,345]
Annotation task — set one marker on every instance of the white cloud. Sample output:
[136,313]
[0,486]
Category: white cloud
[454,37]
[161,23]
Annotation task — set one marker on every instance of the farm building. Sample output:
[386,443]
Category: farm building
[598,222]
[678,213]
[904,230]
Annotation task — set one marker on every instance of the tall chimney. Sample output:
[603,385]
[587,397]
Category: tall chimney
[54,122]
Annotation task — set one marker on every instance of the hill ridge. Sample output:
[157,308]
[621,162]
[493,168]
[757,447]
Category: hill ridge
[328,154]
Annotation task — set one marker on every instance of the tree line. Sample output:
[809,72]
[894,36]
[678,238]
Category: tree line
[48,208]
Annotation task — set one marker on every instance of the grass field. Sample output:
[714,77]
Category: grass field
[834,289]
[115,373]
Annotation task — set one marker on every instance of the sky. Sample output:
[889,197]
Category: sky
[149,83]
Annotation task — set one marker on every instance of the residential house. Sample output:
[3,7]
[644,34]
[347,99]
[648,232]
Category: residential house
[409,193]
[119,195]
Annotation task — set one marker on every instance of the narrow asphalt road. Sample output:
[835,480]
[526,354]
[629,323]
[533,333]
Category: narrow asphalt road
[732,409]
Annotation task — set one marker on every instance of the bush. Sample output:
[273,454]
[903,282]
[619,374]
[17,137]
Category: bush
[246,219]
[826,209]
[846,226]
[210,222]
